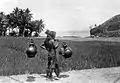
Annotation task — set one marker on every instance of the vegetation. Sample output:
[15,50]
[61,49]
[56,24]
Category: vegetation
[22,19]
[86,55]
[110,28]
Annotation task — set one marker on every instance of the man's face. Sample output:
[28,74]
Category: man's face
[49,37]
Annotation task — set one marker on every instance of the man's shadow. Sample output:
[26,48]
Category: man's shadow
[54,77]
[32,78]
[64,76]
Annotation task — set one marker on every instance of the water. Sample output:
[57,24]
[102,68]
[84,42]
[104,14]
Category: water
[74,33]
[70,33]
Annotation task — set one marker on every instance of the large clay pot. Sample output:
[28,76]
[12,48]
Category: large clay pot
[66,53]
[31,52]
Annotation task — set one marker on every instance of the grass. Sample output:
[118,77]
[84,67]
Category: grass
[86,55]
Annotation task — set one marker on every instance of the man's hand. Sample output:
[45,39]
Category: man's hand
[43,47]
[57,40]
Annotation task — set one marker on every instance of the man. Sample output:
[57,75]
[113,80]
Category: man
[50,44]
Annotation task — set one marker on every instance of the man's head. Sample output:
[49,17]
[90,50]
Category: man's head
[50,34]
[47,32]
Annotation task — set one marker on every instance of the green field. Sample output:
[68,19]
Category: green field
[87,53]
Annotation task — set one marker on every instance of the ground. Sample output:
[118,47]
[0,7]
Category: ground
[103,75]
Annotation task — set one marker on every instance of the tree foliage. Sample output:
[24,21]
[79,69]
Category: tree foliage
[20,18]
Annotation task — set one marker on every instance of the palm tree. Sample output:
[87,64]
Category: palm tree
[20,17]
[37,26]
[3,23]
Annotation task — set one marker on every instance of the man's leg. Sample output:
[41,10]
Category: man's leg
[56,66]
[51,66]
[48,67]
[57,70]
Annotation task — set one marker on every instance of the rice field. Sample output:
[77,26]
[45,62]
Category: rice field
[87,53]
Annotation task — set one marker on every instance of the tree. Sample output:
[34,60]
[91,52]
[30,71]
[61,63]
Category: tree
[3,24]
[20,17]
[37,26]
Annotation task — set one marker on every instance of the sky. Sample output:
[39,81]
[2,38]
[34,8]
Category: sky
[67,15]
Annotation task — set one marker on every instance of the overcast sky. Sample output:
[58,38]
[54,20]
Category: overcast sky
[64,15]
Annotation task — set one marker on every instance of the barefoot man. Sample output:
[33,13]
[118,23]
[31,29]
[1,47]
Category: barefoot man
[50,44]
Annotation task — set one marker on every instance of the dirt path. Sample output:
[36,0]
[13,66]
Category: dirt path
[104,75]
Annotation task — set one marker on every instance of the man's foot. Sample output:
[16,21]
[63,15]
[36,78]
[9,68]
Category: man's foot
[58,75]
[50,78]
[57,78]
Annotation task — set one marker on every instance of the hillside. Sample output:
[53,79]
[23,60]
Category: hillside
[110,28]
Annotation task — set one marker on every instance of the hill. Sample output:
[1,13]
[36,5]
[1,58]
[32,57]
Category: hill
[110,28]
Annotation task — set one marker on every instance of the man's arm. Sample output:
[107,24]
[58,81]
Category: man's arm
[54,43]
[43,46]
